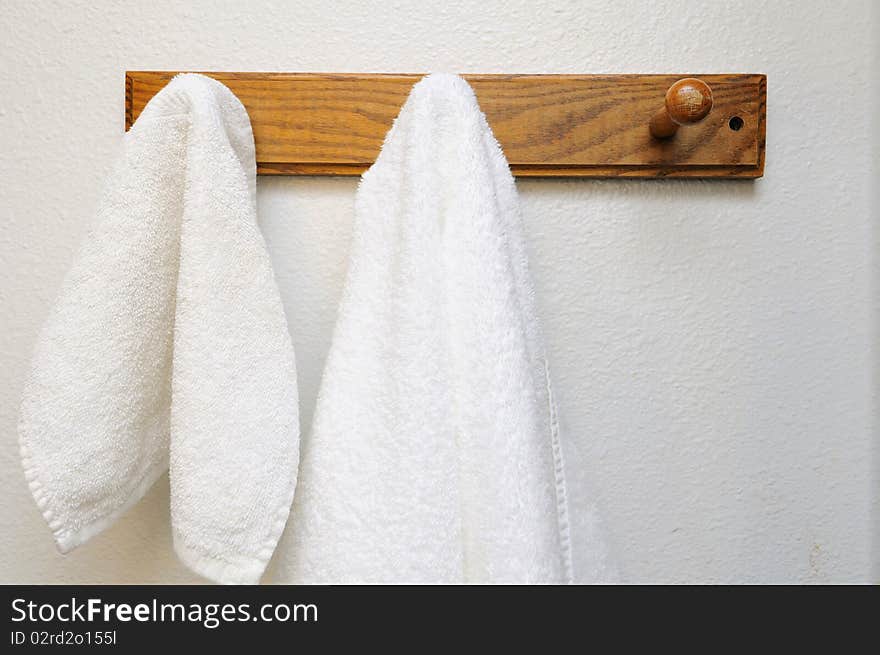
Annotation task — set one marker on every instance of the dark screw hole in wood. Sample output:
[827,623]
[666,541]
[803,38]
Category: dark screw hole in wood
[736,123]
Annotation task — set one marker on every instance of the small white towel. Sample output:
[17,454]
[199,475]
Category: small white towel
[434,455]
[169,335]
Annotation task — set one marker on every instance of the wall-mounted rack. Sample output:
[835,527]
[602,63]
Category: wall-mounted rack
[548,125]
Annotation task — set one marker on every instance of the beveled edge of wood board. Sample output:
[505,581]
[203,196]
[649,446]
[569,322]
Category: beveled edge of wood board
[738,171]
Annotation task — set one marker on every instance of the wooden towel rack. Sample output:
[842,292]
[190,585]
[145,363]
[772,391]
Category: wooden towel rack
[548,125]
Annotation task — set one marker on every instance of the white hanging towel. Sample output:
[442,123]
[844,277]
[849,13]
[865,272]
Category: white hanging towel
[169,338]
[434,455]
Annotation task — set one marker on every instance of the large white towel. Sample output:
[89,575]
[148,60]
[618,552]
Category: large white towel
[434,455]
[169,336]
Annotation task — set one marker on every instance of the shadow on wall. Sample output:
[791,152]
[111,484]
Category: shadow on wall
[875,295]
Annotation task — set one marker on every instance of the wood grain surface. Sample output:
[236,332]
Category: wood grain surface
[548,125]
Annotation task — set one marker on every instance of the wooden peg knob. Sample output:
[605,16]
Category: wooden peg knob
[687,101]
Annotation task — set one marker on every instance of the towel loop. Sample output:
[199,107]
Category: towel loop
[688,101]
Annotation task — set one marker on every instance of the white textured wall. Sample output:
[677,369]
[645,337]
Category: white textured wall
[711,341]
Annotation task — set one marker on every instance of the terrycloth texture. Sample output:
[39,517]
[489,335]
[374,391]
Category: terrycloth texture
[169,335]
[434,455]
